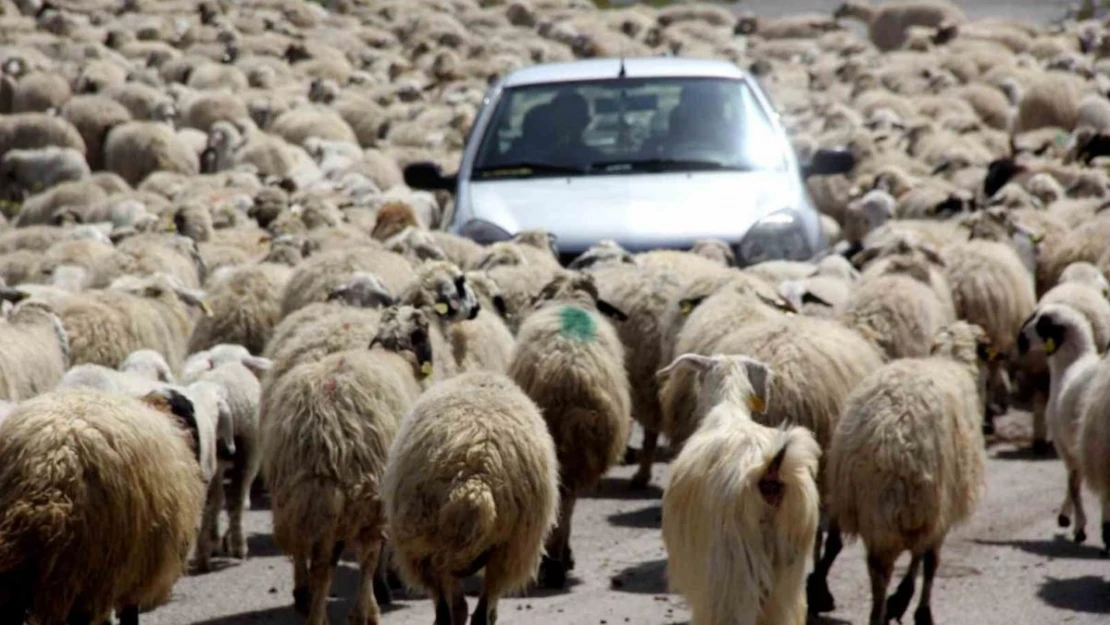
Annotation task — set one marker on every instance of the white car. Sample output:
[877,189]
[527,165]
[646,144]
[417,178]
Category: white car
[650,152]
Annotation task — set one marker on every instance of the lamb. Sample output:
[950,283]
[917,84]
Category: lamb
[766,514]
[888,24]
[569,360]
[231,369]
[345,407]
[471,484]
[37,349]
[151,491]
[907,464]
[1065,335]
[1094,442]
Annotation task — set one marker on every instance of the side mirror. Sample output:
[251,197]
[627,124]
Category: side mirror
[428,177]
[826,162]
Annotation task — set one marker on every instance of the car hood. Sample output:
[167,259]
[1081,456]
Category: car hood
[639,211]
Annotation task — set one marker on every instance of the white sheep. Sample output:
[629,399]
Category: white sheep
[743,489]
[149,494]
[907,464]
[1065,335]
[569,360]
[471,484]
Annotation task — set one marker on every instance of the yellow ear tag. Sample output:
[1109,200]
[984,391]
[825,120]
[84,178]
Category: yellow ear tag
[685,307]
[755,403]
[1049,346]
[426,369]
[441,308]
[1037,238]
[992,354]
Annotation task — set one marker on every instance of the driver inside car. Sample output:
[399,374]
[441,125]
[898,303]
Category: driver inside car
[571,115]
[698,125]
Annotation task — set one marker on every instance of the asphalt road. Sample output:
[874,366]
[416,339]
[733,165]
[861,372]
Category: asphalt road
[1009,565]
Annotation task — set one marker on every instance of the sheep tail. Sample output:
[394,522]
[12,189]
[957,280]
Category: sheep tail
[316,503]
[469,517]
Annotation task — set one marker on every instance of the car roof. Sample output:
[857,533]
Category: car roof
[643,67]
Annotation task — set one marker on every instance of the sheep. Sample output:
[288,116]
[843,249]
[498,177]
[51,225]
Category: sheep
[29,131]
[37,351]
[484,342]
[1051,101]
[312,280]
[346,406]
[441,291]
[136,149]
[232,370]
[1093,442]
[1065,336]
[136,313]
[906,464]
[768,479]
[246,306]
[38,92]
[150,492]
[888,24]
[142,372]
[35,170]
[471,483]
[569,360]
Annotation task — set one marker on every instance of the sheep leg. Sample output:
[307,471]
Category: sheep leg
[300,585]
[1106,527]
[453,613]
[129,615]
[383,594]
[320,572]
[898,602]
[1075,480]
[880,567]
[234,543]
[818,595]
[559,560]
[209,524]
[1040,425]
[924,613]
[647,459]
[485,613]
[366,610]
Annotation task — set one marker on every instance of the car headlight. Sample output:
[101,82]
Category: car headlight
[483,232]
[778,236]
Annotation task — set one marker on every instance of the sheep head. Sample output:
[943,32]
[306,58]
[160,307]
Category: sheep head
[440,288]
[575,287]
[726,378]
[364,290]
[182,411]
[538,239]
[405,330]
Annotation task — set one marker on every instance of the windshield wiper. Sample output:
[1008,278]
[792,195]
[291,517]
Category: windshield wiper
[526,168]
[667,164]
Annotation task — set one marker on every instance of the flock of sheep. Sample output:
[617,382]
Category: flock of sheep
[212,272]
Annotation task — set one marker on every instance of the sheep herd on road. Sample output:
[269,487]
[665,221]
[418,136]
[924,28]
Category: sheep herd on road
[213,277]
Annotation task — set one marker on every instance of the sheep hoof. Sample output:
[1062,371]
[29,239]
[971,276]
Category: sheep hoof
[631,455]
[818,596]
[382,593]
[1080,536]
[1063,520]
[639,481]
[238,550]
[553,575]
[923,616]
[897,604]
[301,599]
[1040,447]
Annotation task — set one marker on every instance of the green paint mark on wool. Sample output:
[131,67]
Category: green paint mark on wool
[578,324]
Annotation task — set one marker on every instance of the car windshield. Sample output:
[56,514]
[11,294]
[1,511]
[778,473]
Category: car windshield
[628,125]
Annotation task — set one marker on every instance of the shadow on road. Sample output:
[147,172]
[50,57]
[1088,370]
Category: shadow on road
[646,578]
[1088,594]
[650,517]
[1058,547]
[617,488]
[814,619]
[262,546]
[1024,453]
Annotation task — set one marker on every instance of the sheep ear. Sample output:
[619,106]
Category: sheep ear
[759,375]
[695,361]
[794,292]
[810,298]
[780,304]
[258,364]
[611,311]
[771,486]
[500,306]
